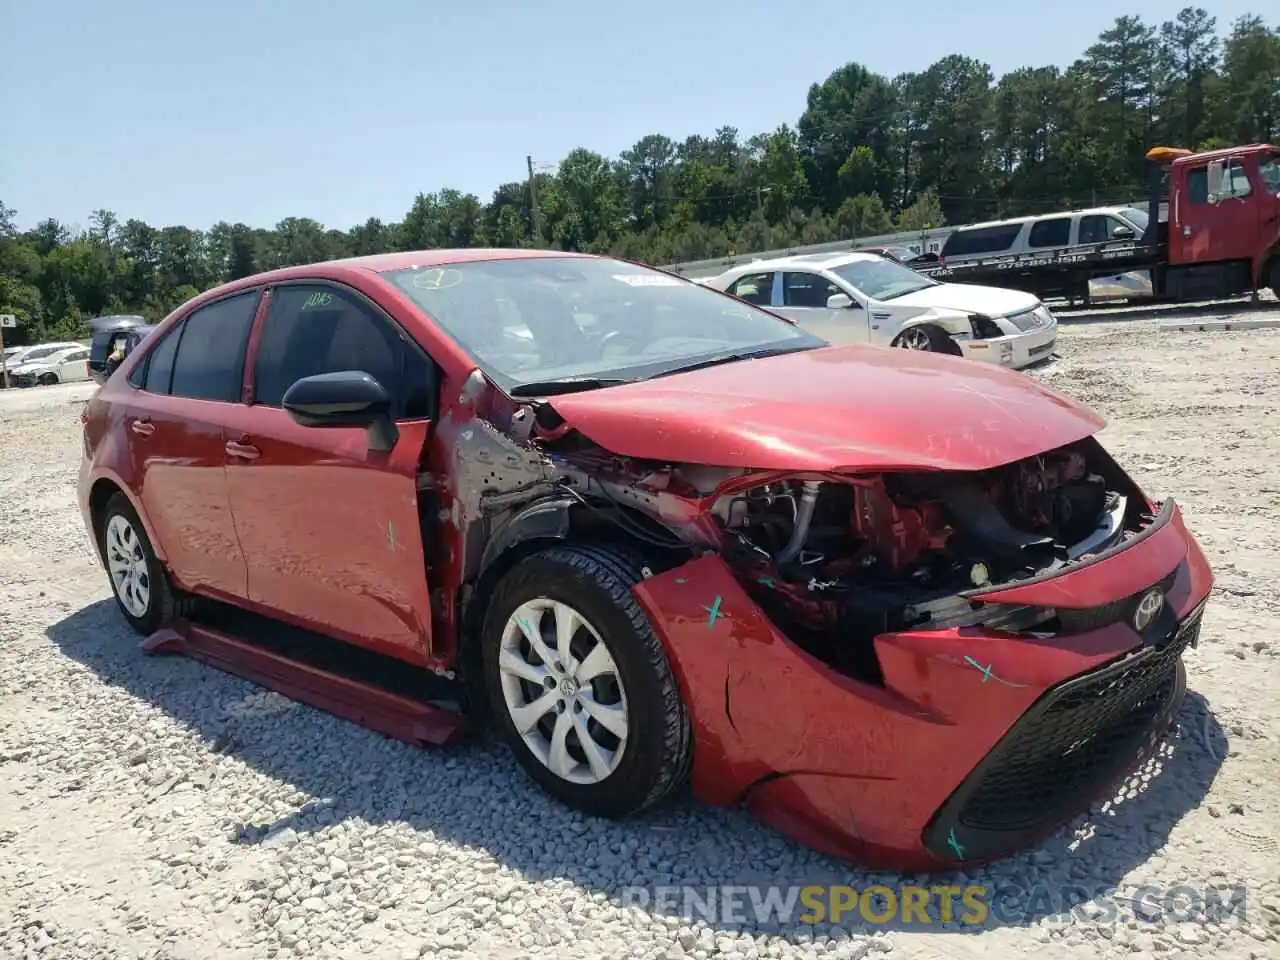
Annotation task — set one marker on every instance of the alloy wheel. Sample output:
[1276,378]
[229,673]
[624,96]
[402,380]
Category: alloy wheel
[562,691]
[127,564]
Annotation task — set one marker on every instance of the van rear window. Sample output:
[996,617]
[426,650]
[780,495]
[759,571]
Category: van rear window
[981,240]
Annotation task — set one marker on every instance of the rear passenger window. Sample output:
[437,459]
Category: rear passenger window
[1051,233]
[160,361]
[210,360]
[313,329]
[754,288]
[995,239]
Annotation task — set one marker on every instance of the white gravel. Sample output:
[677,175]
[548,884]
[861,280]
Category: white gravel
[157,808]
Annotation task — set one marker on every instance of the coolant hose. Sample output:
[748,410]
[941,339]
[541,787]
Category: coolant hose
[804,517]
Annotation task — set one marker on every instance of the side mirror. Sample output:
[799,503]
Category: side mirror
[1122,233]
[841,301]
[347,398]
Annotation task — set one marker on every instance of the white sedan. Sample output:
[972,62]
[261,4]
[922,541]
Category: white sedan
[865,298]
[64,364]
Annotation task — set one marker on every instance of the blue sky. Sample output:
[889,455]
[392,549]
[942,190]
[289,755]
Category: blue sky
[191,113]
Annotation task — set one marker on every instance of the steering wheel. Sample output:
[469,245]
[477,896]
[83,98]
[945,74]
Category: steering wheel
[616,336]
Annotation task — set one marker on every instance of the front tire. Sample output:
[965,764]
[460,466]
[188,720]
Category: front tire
[926,337]
[48,380]
[580,685]
[139,581]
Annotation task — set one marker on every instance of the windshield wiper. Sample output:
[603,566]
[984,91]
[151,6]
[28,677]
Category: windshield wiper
[539,388]
[734,357]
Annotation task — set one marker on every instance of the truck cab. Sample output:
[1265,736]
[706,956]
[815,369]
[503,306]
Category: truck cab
[1223,220]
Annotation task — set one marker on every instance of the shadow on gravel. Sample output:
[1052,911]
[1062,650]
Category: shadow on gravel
[475,796]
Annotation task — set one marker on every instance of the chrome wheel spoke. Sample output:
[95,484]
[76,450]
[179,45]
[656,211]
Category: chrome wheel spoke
[595,664]
[527,716]
[613,717]
[567,624]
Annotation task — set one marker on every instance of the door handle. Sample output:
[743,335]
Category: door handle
[243,451]
[142,428]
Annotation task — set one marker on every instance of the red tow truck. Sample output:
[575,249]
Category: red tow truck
[1221,238]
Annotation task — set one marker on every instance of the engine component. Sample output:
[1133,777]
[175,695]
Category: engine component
[804,517]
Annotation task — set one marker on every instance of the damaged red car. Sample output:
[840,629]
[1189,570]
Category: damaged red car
[903,606]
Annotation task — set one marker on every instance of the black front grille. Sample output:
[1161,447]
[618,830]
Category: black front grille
[1066,747]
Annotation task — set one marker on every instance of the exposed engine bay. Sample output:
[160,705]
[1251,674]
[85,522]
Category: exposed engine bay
[836,561]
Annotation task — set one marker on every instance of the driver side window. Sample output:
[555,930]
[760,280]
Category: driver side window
[807,290]
[315,329]
[1099,228]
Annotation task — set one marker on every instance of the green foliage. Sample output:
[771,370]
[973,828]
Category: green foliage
[868,155]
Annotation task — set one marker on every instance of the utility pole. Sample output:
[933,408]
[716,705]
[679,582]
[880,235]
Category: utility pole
[533,204]
[7,320]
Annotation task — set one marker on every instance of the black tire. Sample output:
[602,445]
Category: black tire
[1272,276]
[939,340]
[48,380]
[164,601]
[596,581]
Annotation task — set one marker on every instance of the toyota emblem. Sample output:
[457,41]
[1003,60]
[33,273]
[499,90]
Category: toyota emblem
[1149,608]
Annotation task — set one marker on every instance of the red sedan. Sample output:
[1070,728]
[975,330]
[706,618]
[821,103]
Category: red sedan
[903,606]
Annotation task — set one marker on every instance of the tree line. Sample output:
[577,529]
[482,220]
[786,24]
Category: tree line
[869,154]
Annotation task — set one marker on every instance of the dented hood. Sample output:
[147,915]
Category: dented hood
[833,409]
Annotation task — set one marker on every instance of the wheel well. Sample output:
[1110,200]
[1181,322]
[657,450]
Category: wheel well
[99,494]
[586,524]
[935,333]
[1270,275]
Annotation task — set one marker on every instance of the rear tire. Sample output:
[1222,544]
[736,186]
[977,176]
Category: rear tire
[605,732]
[139,581]
[926,337]
[1273,276]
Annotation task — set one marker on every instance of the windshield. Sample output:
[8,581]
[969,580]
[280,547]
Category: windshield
[881,279]
[1269,169]
[537,320]
[1139,218]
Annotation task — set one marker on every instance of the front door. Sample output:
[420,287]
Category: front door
[1216,225]
[804,299]
[331,529]
[193,377]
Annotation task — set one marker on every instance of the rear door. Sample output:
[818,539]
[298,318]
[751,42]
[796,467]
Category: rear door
[804,298]
[331,529]
[74,366]
[192,379]
[757,288]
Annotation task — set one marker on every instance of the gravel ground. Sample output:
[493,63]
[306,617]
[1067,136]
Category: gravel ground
[156,808]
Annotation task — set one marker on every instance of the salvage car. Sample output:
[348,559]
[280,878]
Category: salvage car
[854,297]
[66,364]
[15,357]
[905,607]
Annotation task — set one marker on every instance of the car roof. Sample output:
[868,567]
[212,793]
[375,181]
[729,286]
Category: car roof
[819,261]
[379,263]
[1060,215]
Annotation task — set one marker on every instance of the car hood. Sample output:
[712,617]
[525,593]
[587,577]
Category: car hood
[969,297]
[833,409]
[32,367]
